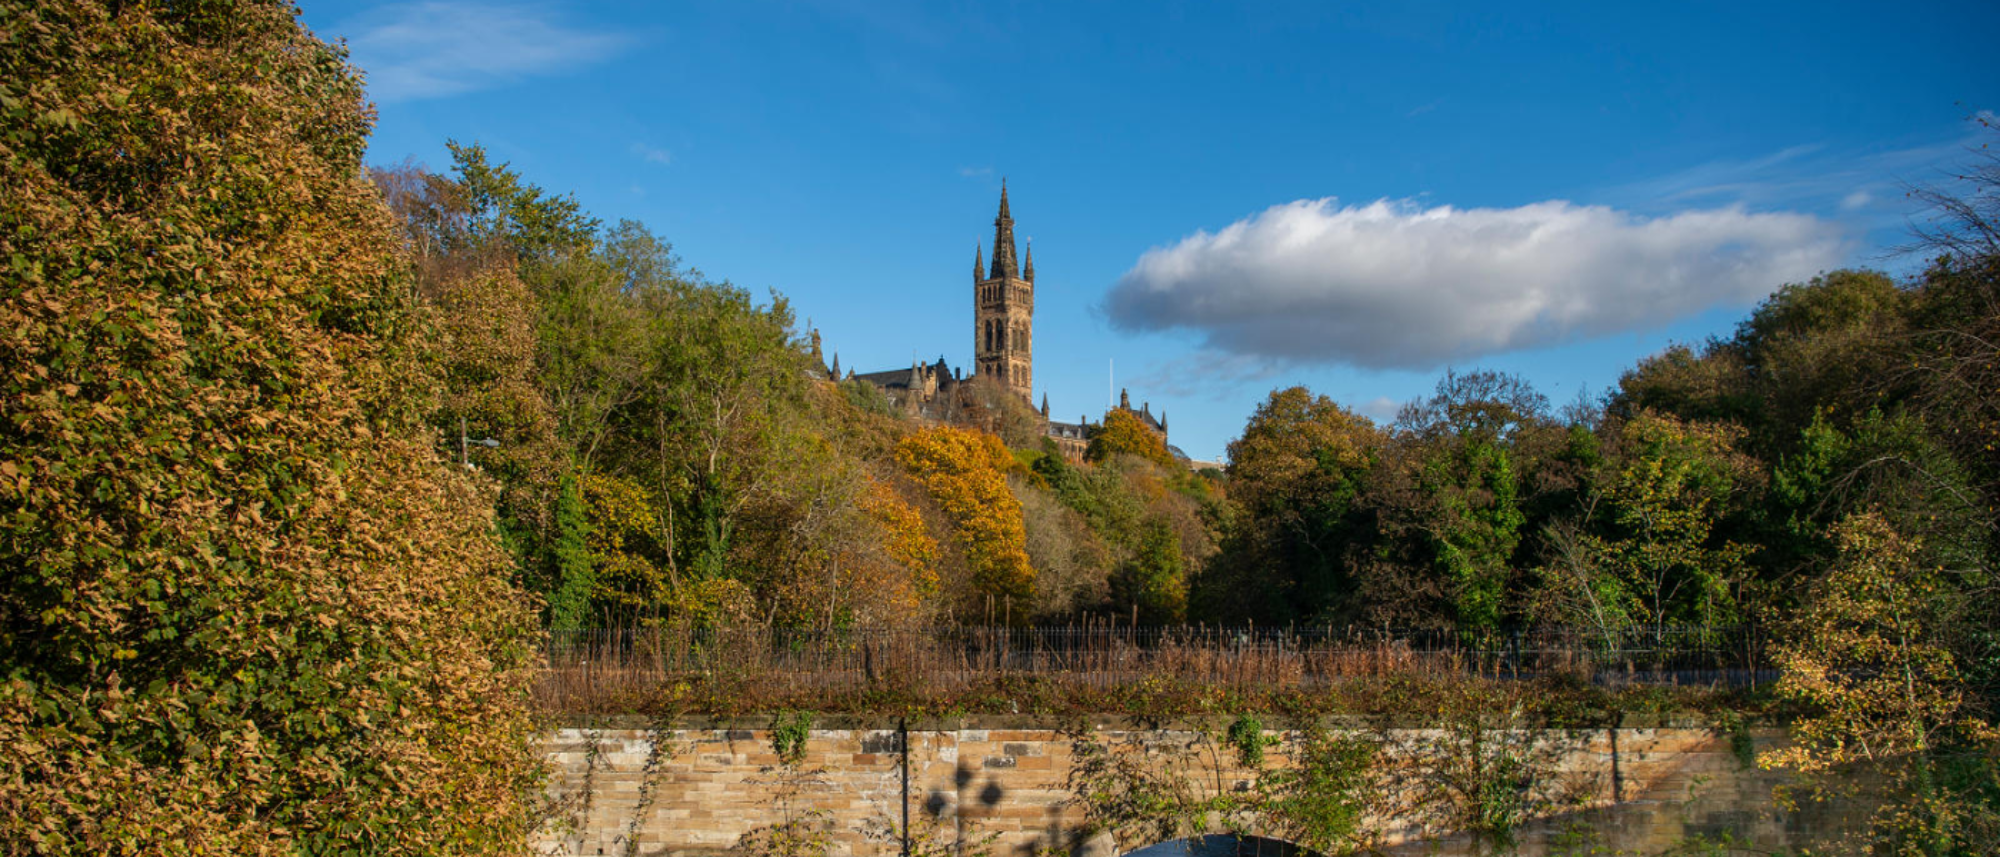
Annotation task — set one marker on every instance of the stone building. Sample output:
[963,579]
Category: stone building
[1003,349]
[1003,342]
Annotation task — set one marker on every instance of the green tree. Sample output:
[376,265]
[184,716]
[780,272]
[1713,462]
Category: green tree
[1153,580]
[724,387]
[1477,526]
[1296,473]
[1826,346]
[246,606]
[1459,448]
[572,571]
[1663,496]
[503,210]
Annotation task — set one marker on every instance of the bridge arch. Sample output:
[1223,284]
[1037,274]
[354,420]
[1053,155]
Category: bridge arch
[1223,845]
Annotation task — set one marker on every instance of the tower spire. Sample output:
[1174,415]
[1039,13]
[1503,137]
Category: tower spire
[978,263]
[1003,239]
[1028,264]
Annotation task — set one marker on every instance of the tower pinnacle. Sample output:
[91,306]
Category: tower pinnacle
[1003,240]
[1028,265]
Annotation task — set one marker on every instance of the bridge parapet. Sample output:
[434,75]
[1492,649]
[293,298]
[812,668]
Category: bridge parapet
[1004,786]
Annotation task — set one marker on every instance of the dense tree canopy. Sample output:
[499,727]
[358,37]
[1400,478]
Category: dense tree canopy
[246,602]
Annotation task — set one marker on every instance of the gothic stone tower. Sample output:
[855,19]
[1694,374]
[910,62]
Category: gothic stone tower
[1003,333]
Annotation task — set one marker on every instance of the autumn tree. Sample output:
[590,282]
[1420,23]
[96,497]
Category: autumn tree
[246,604]
[984,403]
[1122,433]
[965,472]
[484,247]
[1869,657]
[1072,560]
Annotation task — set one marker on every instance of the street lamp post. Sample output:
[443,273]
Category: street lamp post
[464,455]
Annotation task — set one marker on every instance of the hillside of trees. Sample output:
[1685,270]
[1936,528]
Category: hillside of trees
[667,449]
[303,460]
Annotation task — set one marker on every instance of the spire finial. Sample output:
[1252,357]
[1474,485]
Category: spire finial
[1003,240]
[1028,266]
[1045,404]
[978,262]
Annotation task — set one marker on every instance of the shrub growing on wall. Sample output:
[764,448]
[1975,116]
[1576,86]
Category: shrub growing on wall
[245,607]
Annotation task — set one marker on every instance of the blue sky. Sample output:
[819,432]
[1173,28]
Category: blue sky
[1223,200]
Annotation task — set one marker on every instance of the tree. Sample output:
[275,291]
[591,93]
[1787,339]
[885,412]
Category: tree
[591,354]
[1868,657]
[712,418]
[1123,433]
[1964,216]
[1153,581]
[1826,346]
[1072,561]
[1476,526]
[1296,472]
[984,403]
[246,605]
[514,216]
[486,349]
[965,472]
[1460,473]
[1662,497]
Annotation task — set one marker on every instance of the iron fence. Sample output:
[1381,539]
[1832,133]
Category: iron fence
[1102,656]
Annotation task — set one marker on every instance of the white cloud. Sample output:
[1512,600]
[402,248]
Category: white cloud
[975,172]
[1855,200]
[652,155]
[1395,285]
[437,49]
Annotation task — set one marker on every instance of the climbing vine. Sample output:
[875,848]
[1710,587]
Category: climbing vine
[1484,769]
[788,736]
[799,831]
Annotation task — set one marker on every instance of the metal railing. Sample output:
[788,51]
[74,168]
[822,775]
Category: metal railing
[597,663]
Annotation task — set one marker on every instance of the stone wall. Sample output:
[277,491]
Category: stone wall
[693,789]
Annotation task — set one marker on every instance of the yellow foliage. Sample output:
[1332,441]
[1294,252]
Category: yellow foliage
[717,601]
[965,472]
[1123,432]
[1866,654]
[622,545]
[905,539]
[1868,659]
